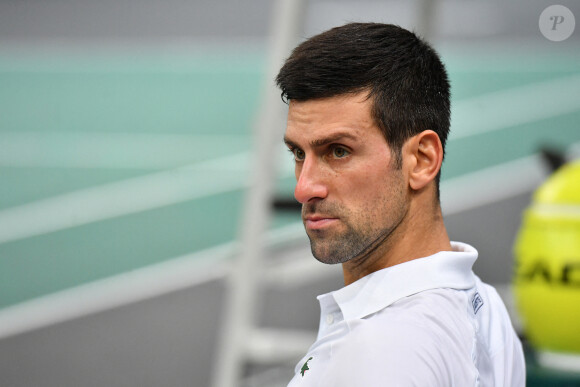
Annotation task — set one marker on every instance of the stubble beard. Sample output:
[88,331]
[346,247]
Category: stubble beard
[340,246]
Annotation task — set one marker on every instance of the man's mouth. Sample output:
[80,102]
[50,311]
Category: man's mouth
[316,222]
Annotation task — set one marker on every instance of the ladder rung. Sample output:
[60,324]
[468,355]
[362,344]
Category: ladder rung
[267,345]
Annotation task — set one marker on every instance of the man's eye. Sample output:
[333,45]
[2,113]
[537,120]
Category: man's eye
[298,154]
[339,152]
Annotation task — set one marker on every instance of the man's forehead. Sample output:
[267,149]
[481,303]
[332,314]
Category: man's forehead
[348,114]
[331,105]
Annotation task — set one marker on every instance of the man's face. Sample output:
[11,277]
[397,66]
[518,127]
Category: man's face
[353,196]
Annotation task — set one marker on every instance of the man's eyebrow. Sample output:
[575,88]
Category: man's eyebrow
[332,138]
[290,144]
[323,141]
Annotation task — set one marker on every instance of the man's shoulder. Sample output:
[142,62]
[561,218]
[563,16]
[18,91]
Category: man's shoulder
[426,322]
[427,309]
[427,338]
[410,343]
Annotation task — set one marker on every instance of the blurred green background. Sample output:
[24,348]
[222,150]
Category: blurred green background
[83,138]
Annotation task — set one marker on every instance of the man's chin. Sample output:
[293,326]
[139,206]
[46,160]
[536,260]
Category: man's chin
[325,254]
[327,260]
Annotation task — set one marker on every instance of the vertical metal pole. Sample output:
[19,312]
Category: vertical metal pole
[425,18]
[243,282]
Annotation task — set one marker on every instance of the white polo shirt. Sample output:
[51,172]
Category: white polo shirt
[429,322]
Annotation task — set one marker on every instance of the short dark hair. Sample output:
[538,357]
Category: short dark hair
[402,74]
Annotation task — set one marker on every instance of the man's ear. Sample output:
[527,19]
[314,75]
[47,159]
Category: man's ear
[424,155]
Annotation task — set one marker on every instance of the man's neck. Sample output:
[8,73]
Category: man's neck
[419,235]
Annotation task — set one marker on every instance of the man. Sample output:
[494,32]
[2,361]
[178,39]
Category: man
[367,123]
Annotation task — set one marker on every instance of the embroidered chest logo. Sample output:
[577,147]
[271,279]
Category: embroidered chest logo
[476,302]
[305,367]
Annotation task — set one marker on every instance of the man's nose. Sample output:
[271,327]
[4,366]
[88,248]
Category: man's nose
[310,183]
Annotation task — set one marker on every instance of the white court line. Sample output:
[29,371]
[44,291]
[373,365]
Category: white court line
[491,184]
[499,182]
[113,150]
[125,197]
[516,106]
[127,288]
[130,287]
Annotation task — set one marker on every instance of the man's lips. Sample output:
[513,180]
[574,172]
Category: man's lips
[315,222]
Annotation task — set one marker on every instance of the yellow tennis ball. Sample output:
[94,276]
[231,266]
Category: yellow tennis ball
[547,251]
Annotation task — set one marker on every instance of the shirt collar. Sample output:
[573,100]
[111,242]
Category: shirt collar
[376,291]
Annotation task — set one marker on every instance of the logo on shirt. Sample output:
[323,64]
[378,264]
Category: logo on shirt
[476,302]
[305,367]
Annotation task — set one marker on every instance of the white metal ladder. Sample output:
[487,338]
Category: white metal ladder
[241,341]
